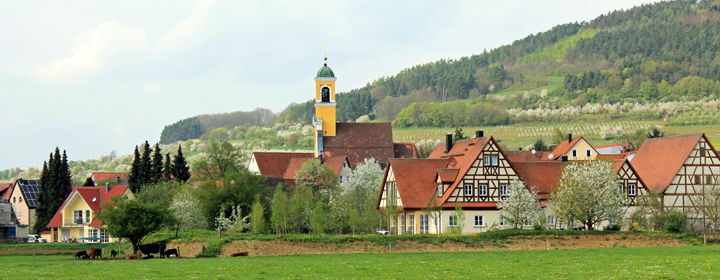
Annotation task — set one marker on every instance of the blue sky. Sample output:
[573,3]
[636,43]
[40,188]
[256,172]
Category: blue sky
[96,76]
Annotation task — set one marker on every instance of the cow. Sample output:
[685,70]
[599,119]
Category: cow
[239,254]
[95,252]
[169,252]
[80,254]
[113,254]
[132,257]
[152,248]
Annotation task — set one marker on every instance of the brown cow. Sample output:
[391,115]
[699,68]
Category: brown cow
[132,257]
[240,254]
[93,252]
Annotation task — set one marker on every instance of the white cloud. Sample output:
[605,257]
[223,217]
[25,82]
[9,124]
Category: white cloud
[91,49]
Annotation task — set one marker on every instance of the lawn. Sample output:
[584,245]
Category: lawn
[623,263]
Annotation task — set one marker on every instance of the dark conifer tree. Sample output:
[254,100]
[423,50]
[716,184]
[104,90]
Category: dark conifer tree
[44,199]
[156,167]
[89,182]
[134,177]
[181,171]
[146,165]
[65,178]
[168,168]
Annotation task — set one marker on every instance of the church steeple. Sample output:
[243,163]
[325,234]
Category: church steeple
[325,106]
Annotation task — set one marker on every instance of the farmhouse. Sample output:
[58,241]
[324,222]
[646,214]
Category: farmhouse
[76,219]
[475,174]
[353,142]
[682,168]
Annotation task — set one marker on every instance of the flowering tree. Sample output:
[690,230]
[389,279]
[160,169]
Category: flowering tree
[185,206]
[589,193]
[360,193]
[234,222]
[521,205]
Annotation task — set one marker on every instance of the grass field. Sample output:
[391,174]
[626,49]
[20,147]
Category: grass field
[609,263]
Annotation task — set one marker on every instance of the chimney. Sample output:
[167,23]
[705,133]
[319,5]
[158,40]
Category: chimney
[107,187]
[564,158]
[448,142]
[569,137]
[479,134]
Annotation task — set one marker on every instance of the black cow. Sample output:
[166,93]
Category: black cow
[81,254]
[169,252]
[152,248]
[113,254]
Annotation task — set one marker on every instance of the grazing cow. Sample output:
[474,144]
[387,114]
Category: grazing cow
[169,252]
[95,252]
[239,254]
[132,257]
[80,254]
[113,254]
[86,257]
[152,248]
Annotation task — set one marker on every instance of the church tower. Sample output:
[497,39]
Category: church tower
[325,119]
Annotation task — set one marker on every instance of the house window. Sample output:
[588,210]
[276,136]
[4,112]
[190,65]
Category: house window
[77,217]
[697,180]
[402,223]
[702,152]
[20,199]
[587,153]
[494,160]
[468,189]
[528,223]
[574,153]
[424,224]
[104,237]
[550,220]
[411,223]
[340,179]
[486,160]
[453,220]
[503,221]
[479,220]
[503,190]
[87,216]
[482,190]
[14,200]
[708,179]
[632,189]
[440,190]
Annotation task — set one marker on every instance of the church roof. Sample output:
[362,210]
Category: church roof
[325,72]
[358,141]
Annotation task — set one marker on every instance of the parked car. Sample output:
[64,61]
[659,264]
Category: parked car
[382,231]
[34,238]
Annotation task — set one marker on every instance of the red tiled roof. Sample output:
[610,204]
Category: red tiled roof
[448,175]
[6,190]
[523,156]
[405,150]
[358,141]
[415,179]
[613,156]
[98,176]
[544,175]
[273,165]
[87,194]
[659,159]
[335,163]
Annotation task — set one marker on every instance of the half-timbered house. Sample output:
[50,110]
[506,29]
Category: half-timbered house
[681,168]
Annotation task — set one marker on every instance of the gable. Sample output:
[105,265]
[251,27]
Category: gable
[659,160]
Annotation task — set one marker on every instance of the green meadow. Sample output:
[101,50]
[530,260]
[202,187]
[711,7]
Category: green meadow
[699,262]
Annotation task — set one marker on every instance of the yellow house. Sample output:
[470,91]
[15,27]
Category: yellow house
[23,198]
[573,149]
[76,219]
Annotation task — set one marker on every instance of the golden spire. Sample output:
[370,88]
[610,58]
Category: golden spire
[325,48]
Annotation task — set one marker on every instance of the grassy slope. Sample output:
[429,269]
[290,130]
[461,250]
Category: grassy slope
[623,263]
[514,136]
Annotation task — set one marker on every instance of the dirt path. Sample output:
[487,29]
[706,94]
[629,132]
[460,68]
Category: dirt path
[283,247]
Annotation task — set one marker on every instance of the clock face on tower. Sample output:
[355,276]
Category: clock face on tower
[325,94]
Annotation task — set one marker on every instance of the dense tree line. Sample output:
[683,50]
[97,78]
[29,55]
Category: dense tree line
[193,128]
[189,128]
[55,186]
[451,114]
[149,168]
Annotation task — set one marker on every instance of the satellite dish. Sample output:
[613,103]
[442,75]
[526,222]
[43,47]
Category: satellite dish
[94,198]
[533,151]
[550,156]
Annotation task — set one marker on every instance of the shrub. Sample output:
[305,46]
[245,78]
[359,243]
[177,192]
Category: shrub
[675,221]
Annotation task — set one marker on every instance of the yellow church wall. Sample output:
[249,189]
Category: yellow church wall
[328,115]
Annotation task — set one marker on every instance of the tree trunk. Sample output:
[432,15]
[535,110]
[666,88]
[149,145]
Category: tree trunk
[177,229]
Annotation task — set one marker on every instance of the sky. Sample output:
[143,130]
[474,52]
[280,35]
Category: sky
[91,77]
